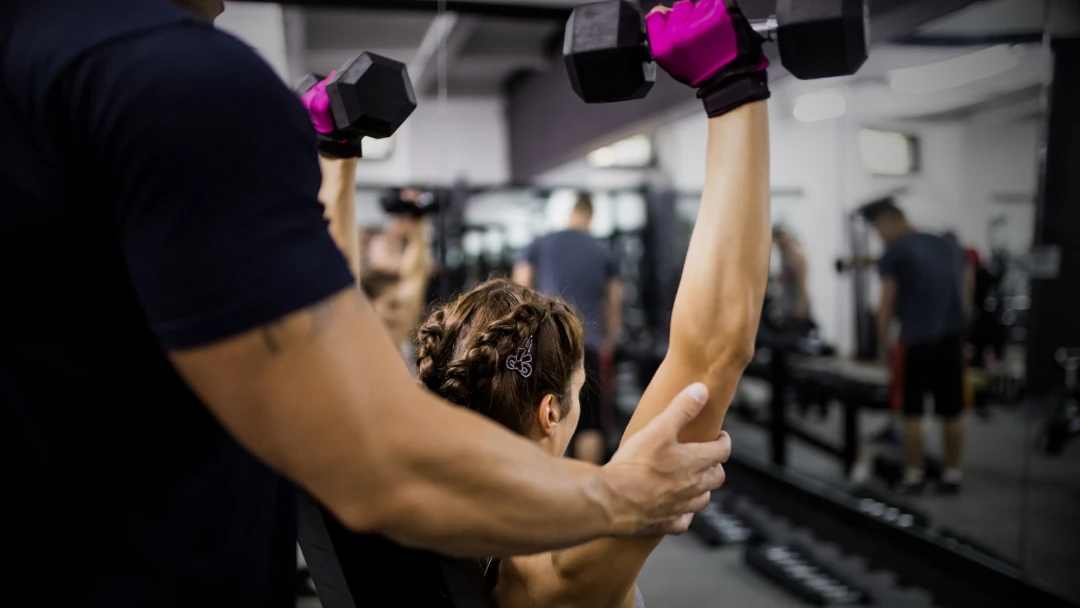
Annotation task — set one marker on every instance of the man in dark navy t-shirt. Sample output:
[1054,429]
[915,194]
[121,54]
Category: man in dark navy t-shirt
[922,287]
[180,336]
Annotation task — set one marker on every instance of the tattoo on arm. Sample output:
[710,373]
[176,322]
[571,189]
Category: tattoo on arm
[317,317]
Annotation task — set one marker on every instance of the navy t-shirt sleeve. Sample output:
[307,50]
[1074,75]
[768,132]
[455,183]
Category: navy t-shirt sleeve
[530,253]
[210,167]
[887,263]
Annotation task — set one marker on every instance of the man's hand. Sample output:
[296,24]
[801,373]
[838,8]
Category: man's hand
[656,483]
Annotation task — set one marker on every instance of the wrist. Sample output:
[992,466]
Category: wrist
[339,145]
[734,91]
[616,515]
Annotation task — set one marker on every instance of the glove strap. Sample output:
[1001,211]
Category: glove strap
[336,147]
[733,92]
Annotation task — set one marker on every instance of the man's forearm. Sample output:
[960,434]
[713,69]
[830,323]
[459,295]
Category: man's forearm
[884,324]
[338,195]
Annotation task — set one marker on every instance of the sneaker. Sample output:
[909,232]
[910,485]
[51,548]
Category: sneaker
[913,482]
[950,481]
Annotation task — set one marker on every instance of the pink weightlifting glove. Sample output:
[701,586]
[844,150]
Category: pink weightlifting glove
[710,45]
[333,142]
[317,103]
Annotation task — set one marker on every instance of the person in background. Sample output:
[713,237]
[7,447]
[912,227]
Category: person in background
[396,270]
[572,265]
[922,287]
[794,297]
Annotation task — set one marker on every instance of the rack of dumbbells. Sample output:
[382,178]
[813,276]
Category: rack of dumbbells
[830,548]
[812,569]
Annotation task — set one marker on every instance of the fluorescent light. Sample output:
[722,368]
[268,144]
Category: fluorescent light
[954,72]
[377,149]
[631,152]
[602,157]
[820,105]
[886,152]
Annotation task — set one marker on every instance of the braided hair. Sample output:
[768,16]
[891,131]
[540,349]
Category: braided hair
[464,346]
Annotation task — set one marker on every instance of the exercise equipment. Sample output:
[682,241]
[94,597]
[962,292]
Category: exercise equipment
[715,527]
[608,59]
[370,95]
[844,265]
[1064,423]
[804,577]
[411,201]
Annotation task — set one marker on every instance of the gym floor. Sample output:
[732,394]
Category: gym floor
[683,573]
[1016,501]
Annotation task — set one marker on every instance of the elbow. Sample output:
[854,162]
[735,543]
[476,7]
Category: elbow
[734,352]
[384,503]
[358,518]
[374,511]
[388,511]
[721,347]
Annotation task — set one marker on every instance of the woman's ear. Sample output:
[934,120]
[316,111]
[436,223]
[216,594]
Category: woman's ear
[548,415]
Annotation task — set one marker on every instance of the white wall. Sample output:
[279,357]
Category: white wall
[1002,166]
[465,137]
[261,25]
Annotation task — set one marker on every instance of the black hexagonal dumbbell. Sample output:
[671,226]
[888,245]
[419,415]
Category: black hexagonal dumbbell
[607,54]
[370,96]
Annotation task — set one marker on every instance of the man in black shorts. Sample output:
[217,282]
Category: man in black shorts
[183,340]
[922,287]
[572,265]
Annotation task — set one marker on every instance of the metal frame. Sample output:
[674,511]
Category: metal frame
[463,7]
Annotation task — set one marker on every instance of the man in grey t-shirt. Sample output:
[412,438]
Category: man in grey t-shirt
[922,287]
[572,265]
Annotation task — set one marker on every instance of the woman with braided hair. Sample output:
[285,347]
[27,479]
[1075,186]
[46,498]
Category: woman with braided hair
[515,355]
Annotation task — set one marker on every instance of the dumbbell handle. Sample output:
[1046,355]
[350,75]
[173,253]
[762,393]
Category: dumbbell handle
[766,27]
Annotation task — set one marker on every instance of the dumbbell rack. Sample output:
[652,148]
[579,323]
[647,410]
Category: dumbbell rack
[817,572]
[850,543]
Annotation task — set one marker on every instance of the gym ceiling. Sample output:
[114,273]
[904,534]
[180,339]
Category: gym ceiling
[511,47]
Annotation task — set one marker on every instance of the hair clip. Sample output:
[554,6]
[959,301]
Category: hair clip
[521,361]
